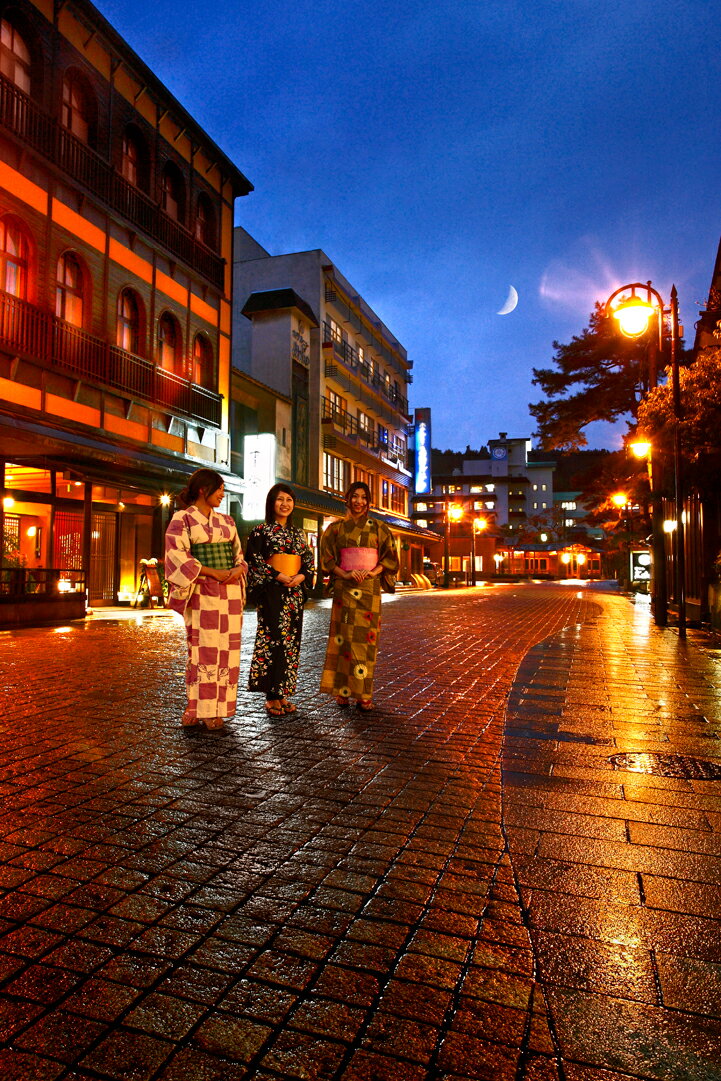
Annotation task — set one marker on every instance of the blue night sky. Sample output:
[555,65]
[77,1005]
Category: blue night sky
[440,153]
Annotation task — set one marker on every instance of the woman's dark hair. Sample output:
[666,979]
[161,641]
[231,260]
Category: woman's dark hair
[203,481]
[270,502]
[355,486]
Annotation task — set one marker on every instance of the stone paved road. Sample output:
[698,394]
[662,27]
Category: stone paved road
[460,885]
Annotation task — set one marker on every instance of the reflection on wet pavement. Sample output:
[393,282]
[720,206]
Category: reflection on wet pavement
[468,882]
[616,855]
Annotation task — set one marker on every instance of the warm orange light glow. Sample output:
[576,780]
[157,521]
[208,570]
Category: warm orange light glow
[565,558]
[640,448]
[455,513]
[8,502]
[479,524]
[633,316]
[580,559]
[619,499]
[165,500]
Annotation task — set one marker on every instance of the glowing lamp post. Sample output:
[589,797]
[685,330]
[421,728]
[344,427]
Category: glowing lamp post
[479,524]
[642,448]
[454,513]
[634,307]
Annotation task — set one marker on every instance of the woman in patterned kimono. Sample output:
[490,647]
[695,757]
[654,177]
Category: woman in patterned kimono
[357,552]
[280,572]
[205,568]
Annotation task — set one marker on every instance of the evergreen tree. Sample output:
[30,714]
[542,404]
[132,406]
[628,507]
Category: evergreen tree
[599,375]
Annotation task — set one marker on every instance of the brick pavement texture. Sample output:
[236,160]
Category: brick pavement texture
[462,884]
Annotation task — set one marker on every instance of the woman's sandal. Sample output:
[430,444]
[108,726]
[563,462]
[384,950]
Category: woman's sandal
[341,701]
[190,720]
[213,722]
[274,710]
[287,707]
[366,704]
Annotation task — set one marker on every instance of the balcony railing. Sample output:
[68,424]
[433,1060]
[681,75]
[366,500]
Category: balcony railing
[348,425]
[20,115]
[40,336]
[349,357]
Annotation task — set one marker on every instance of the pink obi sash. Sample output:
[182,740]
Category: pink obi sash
[358,559]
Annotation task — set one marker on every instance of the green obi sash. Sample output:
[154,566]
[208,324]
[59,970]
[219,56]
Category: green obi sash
[219,556]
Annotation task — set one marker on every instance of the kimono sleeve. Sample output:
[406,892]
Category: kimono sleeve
[387,551]
[237,547]
[259,572]
[180,567]
[329,552]
[307,563]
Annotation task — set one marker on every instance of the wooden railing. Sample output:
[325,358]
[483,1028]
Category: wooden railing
[18,583]
[20,115]
[40,336]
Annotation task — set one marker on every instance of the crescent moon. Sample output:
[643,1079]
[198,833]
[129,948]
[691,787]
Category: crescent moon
[510,302]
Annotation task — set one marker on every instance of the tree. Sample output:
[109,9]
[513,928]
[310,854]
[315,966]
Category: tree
[700,429]
[599,375]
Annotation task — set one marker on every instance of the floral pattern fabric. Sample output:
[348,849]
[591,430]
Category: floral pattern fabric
[355,620]
[274,667]
[212,611]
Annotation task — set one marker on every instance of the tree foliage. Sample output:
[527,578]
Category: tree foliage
[700,427]
[599,375]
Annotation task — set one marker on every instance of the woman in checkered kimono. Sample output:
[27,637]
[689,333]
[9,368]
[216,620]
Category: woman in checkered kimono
[358,552]
[205,568]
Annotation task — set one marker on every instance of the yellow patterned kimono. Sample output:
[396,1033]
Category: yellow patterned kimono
[356,613]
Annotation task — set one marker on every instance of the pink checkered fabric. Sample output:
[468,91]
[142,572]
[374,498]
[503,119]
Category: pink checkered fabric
[213,613]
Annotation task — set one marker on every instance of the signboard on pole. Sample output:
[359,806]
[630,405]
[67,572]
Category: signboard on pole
[640,568]
[423,451]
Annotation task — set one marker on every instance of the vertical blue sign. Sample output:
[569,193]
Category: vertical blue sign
[423,451]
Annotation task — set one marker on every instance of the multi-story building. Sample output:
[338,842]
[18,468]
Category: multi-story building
[508,487]
[300,327]
[116,217]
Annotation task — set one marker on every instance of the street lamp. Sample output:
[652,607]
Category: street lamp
[479,524]
[620,500]
[454,513]
[633,307]
[642,448]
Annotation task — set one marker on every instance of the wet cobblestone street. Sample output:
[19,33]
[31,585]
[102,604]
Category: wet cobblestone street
[465,883]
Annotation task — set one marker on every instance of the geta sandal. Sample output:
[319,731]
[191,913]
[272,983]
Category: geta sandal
[273,709]
[366,704]
[213,723]
[341,701]
[288,707]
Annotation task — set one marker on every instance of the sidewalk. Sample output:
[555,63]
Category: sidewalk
[471,882]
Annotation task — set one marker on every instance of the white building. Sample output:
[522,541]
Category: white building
[301,328]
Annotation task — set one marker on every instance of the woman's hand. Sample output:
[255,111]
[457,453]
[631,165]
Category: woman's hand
[290,580]
[235,573]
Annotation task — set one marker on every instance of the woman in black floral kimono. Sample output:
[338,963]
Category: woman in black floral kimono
[280,573]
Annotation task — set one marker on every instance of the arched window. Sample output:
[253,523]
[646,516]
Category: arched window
[69,290]
[134,159]
[128,328]
[14,57]
[205,222]
[13,259]
[203,373]
[169,344]
[173,193]
[76,114]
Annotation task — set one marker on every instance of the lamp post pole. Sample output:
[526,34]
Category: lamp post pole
[633,314]
[446,540]
[678,471]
